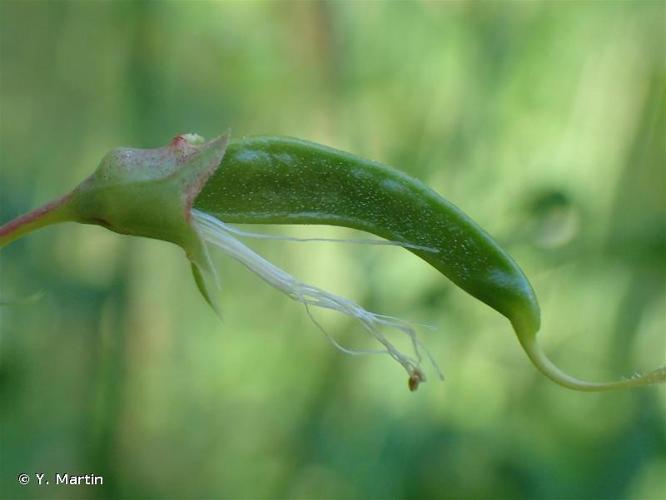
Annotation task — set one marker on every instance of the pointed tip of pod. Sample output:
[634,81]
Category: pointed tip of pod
[538,357]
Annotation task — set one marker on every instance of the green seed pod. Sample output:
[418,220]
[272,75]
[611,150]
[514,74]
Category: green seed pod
[186,192]
[273,180]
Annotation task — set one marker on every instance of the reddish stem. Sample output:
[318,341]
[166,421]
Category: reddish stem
[48,214]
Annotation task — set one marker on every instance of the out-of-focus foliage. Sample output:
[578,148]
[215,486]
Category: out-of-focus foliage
[544,121]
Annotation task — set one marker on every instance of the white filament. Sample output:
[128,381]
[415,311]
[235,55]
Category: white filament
[260,236]
[219,234]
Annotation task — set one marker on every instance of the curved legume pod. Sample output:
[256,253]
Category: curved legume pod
[275,180]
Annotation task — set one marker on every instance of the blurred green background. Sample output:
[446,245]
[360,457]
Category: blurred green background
[544,121]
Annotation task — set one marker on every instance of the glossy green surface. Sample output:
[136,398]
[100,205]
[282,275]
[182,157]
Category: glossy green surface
[275,180]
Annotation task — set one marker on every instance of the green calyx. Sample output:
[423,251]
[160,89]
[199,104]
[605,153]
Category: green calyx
[139,192]
[149,192]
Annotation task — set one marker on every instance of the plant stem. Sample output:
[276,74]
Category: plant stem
[51,213]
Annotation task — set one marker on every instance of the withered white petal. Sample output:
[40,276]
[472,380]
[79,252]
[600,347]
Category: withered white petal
[219,234]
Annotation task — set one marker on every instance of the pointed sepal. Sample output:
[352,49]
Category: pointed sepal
[149,192]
